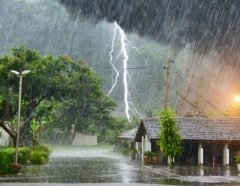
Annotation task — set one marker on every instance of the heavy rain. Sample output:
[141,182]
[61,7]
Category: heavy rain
[102,73]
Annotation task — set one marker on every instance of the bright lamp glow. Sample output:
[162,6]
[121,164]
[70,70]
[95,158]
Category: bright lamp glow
[237,98]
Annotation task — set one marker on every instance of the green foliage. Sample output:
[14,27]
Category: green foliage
[39,157]
[115,127]
[237,158]
[44,147]
[148,153]
[154,154]
[7,156]
[133,151]
[16,167]
[40,154]
[52,80]
[125,144]
[23,155]
[36,128]
[169,138]
[125,151]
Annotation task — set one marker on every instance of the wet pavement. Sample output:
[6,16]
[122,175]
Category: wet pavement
[101,167]
[200,175]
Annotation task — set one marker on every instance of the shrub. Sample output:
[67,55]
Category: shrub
[148,153]
[154,154]
[237,158]
[7,157]
[39,157]
[133,151]
[16,167]
[46,148]
[125,151]
[23,155]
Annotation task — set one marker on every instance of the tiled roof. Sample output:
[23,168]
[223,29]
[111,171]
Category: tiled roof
[199,128]
[130,134]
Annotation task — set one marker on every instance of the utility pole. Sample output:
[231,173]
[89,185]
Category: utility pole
[187,92]
[166,84]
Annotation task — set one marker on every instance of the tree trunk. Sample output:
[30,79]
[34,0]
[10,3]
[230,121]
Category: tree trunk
[14,140]
[171,163]
[10,132]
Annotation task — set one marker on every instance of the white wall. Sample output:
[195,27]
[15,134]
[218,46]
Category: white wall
[4,139]
[84,139]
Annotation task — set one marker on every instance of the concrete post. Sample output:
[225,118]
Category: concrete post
[143,148]
[136,145]
[225,154]
[201,171]
[200,154]
[147,143]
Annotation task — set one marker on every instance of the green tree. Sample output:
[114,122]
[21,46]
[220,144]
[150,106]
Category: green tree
[84,115]
[36,129]
[169,138]
[60,79]
[116,127]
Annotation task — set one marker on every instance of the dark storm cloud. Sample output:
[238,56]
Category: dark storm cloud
[205,24]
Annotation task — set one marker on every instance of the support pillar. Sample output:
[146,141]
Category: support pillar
[143,148]
[137,145]
[225,154]
[147,144]
[200,154]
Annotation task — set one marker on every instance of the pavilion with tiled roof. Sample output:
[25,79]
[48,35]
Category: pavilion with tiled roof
[127,136]
[204,137]
[130,134]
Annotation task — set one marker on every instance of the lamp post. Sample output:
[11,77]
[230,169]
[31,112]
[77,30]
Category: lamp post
[20,75]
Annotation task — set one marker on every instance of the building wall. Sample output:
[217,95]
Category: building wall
[4,139]
[84,140]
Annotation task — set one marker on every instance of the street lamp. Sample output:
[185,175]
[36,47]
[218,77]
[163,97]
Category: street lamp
[20,75]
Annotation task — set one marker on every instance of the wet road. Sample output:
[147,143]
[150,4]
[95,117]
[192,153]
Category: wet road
[91,167]
[88,166]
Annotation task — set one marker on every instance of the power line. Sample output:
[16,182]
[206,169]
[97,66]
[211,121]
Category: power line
[205,99]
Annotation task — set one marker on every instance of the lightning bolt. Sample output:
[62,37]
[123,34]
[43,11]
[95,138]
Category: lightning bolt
[125,72]
[111,58]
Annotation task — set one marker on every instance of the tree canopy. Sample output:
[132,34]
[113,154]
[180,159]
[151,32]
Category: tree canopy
[61,80]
